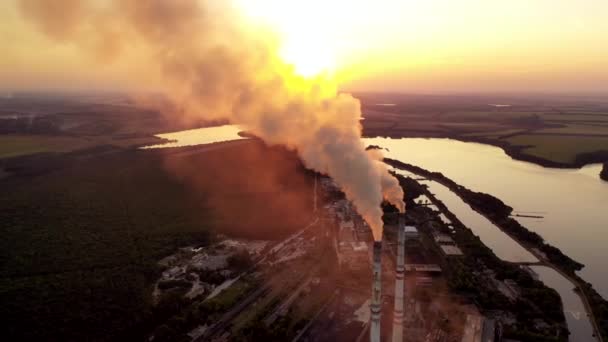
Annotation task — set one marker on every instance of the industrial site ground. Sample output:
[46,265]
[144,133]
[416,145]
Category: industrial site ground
[239,241]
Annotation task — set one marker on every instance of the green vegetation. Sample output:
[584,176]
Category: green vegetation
[210,309]
[18,145]
[21,145]
[599,305]
[550,131]
[467,277]
[562,149]
[82,238]
[80,247]
[498,213]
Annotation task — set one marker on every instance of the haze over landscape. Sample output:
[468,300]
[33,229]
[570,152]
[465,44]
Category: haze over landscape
[397,46]
[248,170]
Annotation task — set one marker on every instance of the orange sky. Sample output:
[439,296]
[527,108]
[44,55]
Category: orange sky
[432,46]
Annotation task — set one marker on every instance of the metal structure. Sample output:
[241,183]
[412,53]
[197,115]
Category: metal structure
[376,304]
[399,273]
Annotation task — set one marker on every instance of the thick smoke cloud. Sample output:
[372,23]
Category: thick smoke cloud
[213,63]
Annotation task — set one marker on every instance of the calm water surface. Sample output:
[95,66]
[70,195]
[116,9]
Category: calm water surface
[578,323]
[574,203]
[199,136]
[503,245]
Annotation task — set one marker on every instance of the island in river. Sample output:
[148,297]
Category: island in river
[500,214]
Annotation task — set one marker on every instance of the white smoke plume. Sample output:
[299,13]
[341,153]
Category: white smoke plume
[214,63]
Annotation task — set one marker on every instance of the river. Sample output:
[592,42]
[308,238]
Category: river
[578,323]
[506,248]
[501,244]
[573,204]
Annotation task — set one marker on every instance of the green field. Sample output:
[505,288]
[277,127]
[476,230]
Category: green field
[563,149]
[559,131]
[19,145]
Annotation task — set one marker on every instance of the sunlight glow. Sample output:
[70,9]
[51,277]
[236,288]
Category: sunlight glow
[309,31]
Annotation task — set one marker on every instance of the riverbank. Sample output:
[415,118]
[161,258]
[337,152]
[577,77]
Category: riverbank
[479,271]
[519,153]
[499,213]
[514,151]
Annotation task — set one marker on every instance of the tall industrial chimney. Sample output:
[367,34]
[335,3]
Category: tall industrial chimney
[376,304]
[398,315]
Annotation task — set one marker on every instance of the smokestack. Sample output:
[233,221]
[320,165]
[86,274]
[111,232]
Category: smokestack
[398,315]
[376,305]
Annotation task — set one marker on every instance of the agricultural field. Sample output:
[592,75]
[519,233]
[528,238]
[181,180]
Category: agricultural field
[551,131]
[562,149]
[23,145]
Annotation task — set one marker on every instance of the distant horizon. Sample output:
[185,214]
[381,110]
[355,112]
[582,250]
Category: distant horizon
[432,47]
[521,94]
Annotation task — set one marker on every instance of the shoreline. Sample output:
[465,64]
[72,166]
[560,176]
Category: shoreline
[572,277]
[459,225]
[513,151]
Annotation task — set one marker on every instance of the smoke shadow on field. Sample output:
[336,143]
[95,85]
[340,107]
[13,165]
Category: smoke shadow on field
[253,191]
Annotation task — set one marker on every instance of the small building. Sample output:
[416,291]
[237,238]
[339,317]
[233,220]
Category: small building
[423,268]
[411,233]
[443,239]
[449,250]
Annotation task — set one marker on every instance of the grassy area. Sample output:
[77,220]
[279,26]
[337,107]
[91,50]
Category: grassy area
[576,117]
[474,118]
[17,145]
[230,296]
[562,149]
[579,129]
[20,145]
[494,134]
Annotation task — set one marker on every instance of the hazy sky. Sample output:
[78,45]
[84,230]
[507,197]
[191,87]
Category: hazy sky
[383,45]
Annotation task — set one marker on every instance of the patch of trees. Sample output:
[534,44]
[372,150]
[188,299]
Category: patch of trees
[173,283]
[240,261]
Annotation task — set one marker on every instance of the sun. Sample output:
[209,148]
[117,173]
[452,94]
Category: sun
[308,59]
[306,30]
